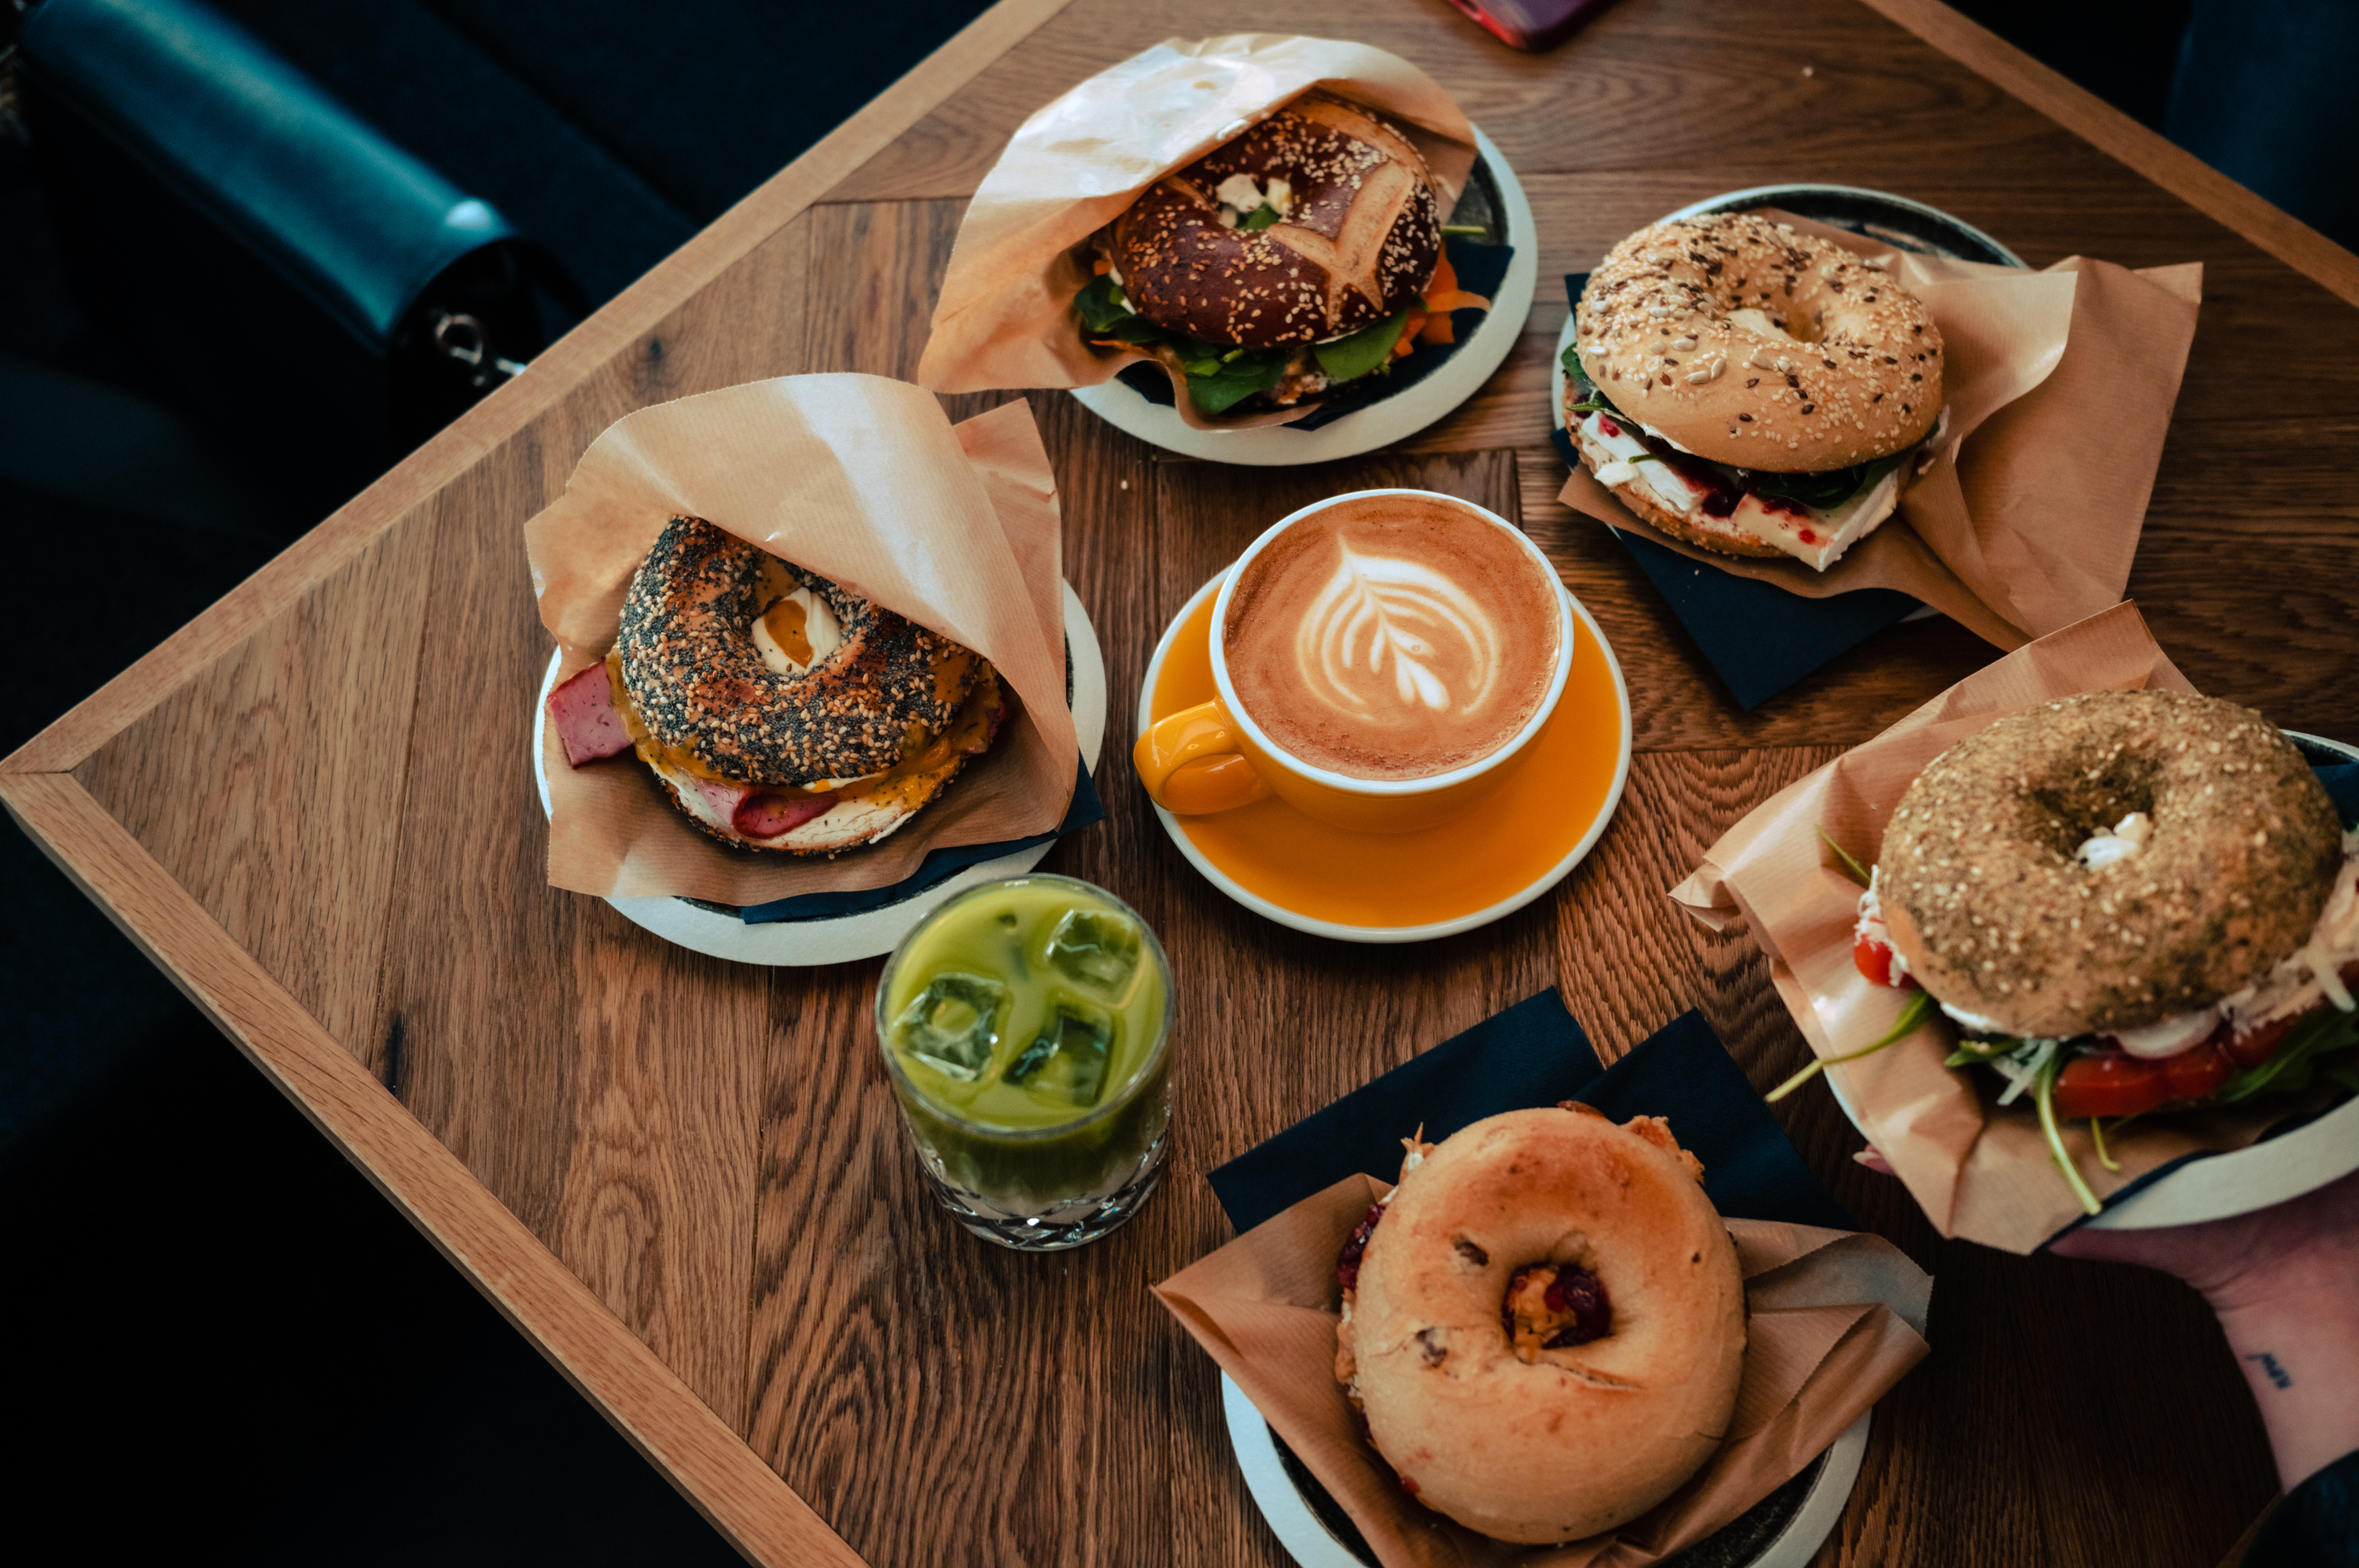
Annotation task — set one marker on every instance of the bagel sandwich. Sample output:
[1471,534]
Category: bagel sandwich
[1750,390]
[1296,260]
[1543,1325]
[2124,901]
[777,710]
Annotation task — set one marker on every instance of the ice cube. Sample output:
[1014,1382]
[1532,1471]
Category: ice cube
[952,1026]
[1068,1058]
[1097,948]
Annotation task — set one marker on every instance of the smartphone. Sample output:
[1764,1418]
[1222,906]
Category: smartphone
[1533,25]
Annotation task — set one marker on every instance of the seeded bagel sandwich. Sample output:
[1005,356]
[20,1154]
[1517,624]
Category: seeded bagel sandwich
[777,710]
[2126,901]
[1300,257]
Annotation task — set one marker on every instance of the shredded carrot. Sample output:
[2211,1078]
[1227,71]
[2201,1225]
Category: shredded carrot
[1103,266]
[1456,299]
[1445,277]
[1438,329]
[1405,345]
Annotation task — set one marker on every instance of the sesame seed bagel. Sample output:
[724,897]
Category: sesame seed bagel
[1993,910]
[1751,344]
[1548,1325]
[1359,243]
[705,693]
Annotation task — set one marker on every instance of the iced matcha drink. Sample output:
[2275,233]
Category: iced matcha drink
[1025,1028]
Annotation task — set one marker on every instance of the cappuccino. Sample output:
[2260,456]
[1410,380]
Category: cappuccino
[1393,636]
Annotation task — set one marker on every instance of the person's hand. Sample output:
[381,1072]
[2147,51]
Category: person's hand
[2284,1282]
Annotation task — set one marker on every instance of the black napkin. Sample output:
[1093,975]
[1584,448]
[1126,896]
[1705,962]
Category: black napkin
[1481,269]
[1534,1054]
[938,867]
[1759,638]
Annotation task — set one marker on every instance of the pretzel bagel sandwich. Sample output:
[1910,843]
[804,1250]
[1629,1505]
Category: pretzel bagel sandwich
[1751,389]
[778,711]
[1303,254]
[1544,1324]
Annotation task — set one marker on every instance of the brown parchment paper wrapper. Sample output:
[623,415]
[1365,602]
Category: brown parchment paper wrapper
[1836,1318]
[2060,385]
[1979,1171]
[1005,316]
[866,481]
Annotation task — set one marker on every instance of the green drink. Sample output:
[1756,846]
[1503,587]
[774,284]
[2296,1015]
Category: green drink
[1025,1025]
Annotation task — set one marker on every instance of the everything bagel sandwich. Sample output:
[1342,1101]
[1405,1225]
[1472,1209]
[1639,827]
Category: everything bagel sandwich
[1543,1325]
[1304,256]
[1750,390]
[778,711]
[2125,900]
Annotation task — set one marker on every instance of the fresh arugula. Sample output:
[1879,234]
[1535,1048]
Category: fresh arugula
[2043,1091]
[1260,218]
[1858,872]
[1913,1014]
[2291,1066]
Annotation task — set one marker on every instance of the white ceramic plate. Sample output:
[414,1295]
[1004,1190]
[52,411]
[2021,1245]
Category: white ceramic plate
[1378,424]
[871,931]
[1310,1543]
[1543,880]
[2222,1186]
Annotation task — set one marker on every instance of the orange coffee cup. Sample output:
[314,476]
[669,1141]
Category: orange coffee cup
[1217,756]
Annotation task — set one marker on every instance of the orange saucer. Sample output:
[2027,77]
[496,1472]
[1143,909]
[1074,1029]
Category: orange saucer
[1410,887]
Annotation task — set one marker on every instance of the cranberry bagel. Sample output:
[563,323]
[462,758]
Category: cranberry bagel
[1547,1325]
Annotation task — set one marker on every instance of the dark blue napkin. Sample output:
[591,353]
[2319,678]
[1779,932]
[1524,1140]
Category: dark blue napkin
[1534,1054]
[1481,269]
[1759,638]
[2341,781]
[939,865]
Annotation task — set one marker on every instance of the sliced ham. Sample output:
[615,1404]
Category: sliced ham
[763,815]
[587,724]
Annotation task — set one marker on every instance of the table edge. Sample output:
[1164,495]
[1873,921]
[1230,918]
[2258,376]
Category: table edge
[2145,151]
[706,1460]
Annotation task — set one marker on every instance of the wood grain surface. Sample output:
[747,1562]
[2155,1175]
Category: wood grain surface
[686,1180]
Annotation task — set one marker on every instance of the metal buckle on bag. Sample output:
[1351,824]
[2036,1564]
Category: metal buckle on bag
[463,338]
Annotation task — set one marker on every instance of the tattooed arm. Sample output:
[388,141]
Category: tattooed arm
[2285,1285]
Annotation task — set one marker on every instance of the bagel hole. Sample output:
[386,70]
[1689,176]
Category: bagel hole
[2088,801]
[1554,1306]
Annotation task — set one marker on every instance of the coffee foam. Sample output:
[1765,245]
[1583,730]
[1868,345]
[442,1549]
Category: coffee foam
[1392,636]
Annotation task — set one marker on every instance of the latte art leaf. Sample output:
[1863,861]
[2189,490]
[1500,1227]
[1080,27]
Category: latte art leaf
[1386,634]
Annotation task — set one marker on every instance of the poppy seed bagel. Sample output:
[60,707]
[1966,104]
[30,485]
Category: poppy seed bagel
[1751,344]
[1993,910]
[703,689]
[1359,243]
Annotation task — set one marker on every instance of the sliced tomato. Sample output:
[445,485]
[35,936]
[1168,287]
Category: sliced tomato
[2107,1084]
[2256,1045]
[1874,958]
[2196,1073]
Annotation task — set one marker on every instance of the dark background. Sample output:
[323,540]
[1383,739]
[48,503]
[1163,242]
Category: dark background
[388,1415]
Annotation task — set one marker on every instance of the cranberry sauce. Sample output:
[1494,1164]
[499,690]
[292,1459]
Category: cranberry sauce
[1347,1262]
[1724,489]
[1580,1295]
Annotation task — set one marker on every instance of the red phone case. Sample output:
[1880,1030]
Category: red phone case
[1532,25]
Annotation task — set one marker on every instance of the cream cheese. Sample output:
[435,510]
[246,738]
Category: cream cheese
[2118,843]
[821,629]
[1807,533]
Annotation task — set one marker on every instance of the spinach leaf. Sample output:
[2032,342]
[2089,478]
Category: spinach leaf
[1261,217]
[1348,359]
[1100,302]
[1231,382]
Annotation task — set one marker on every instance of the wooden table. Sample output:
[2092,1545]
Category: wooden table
[685,1179]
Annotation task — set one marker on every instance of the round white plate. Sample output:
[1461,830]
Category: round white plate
[1313,1545]
[843,938]
[2260,1176]
[1380,424]
[1541,883]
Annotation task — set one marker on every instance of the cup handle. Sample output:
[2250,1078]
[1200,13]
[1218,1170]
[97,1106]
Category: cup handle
[1191,765]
